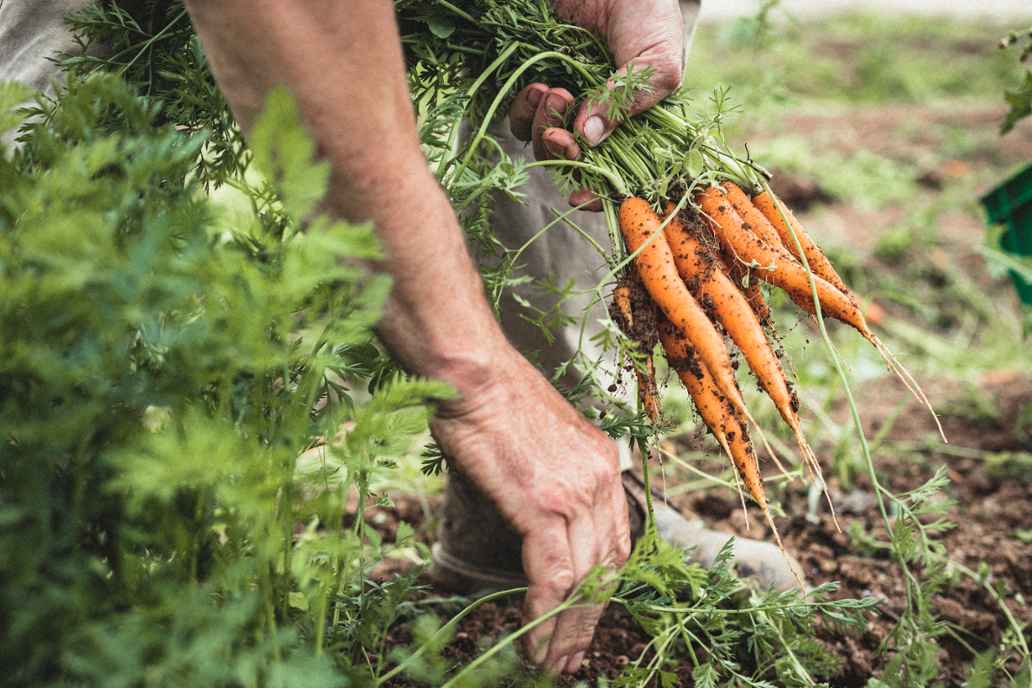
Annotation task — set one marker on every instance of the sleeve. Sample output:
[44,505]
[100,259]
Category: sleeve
[32,32]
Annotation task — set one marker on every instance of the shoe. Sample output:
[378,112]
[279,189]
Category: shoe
[477,552]
[761,563]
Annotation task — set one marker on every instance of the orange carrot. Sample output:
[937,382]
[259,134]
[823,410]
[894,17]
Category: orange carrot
[721,419]
[655,263]
[700,270]
[792,276]
[739,274]
[754,295]
[752,219]
[874,313]
[776,213]
[774,265]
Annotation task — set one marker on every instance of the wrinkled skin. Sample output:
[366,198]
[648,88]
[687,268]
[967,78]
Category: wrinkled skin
[556,478]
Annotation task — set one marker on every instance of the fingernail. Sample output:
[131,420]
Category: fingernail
[539,652]
[594,130]
[534,97]
[555,150]
[560,666]
[578,660]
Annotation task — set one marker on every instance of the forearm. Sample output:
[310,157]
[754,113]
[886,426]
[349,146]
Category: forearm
[343,63]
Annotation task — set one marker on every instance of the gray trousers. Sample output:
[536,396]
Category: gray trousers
[32,32]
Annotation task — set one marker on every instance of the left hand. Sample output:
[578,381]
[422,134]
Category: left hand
[640,34]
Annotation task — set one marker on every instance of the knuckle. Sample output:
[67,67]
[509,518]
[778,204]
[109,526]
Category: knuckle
[668,75]
[569,497]
[623,548]
[561,582]
[603,475]
[557,498]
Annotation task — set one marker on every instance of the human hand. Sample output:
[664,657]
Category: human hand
[556,479]
[640,34]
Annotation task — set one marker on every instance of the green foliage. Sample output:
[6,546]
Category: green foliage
[728,634]
[152,46]
[1020,102]
[159,377]
[857,59]
[1020,98]
[981,674]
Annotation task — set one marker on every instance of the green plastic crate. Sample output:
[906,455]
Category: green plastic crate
[1010,204]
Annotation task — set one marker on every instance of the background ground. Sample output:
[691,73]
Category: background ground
[883,131]
[981,9]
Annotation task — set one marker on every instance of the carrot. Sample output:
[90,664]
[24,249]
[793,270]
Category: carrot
[874,313]
[655,265]
[776,213]
[721,419]
[774,264]
[757,301]
[752,218]
[748,285]
[793,277]
[624,315]
[701,272]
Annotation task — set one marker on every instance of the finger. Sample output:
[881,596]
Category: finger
[551,112]
[613,526]
[576,626]
[613,552]
[620,533]
[560,143]
[586,200]
[548,563]
[521,112]
[660,48]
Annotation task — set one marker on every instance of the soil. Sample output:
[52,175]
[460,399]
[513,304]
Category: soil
[990,514]
[991,536]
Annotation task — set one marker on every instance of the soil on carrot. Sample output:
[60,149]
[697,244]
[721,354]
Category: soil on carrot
[992,537]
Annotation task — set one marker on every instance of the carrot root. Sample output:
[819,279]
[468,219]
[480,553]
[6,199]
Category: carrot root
[908,381]
[642,231]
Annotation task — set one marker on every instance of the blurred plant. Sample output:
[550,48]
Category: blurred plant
[755,30]
[156,395]
[151,44]
[1020,99]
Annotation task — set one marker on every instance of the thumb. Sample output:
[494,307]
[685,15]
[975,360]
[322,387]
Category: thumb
[661,54]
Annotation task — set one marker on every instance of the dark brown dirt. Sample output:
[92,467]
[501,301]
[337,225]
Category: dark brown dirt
[799,192]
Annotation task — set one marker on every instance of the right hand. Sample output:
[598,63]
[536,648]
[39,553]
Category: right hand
[556,479]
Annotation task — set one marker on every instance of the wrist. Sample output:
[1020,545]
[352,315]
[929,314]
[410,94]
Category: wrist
[476,375]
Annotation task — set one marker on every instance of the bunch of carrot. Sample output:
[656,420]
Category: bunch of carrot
[692,265]
[697,272]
